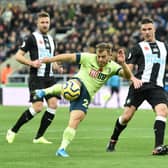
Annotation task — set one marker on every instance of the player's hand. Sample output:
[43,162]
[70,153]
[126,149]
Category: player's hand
[60,70]
[121,56]
[137,83]
[58,67]
[36,63]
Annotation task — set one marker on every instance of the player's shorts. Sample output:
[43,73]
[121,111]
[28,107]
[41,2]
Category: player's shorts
[83,101]
[40,83]
[114,90]
[153,94]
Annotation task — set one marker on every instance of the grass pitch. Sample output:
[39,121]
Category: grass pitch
[88,148]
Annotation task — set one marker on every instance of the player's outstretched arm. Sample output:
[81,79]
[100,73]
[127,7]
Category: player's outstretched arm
[60,58]
[20,57]
[125,71]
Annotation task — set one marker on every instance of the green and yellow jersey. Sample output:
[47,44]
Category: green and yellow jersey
[92,75]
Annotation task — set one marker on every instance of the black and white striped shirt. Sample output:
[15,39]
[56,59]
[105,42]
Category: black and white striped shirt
[151,59]
[39,46]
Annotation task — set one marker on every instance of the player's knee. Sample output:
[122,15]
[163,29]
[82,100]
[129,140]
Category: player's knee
[53,106]
[38,106]
[161,110]
[126,117]
[52,103]
[128,114]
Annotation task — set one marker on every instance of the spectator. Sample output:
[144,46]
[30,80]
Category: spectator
[118,19]
[6,71]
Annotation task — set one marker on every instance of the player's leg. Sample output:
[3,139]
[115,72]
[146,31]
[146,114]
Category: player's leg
[159,129]
[133,100]
[51,98]
[118,100]
[78,110]
[108,98]
[54,90]
[26,116]
[76,116]
[120,125]
[158,99]
[118,96]
[160,123]
[117,90]
[46,120]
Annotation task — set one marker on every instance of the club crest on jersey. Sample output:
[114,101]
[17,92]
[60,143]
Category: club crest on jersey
[146,48]
[97,74]
[40,42]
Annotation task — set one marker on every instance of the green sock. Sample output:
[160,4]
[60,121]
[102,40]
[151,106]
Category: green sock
[68,135]
[55,89]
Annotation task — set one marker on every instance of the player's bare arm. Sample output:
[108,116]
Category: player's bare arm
[125,71]
[60,58]
[137,83]
[20,57]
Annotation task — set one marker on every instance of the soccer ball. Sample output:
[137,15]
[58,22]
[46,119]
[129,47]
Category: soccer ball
[71,90]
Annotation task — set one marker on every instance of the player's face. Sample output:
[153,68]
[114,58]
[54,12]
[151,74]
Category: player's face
[148,32]
[102,58]
[43,24]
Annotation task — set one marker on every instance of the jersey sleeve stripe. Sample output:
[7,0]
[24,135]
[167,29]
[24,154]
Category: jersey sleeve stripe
[78,56]
[118,71]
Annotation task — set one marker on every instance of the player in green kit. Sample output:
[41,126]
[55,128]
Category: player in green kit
[94,71]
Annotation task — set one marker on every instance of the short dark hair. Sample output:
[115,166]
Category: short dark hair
[43,14]
[146,20]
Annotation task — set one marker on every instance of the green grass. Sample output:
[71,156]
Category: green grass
[88,147]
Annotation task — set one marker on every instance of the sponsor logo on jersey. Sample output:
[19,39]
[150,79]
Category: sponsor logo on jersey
[153,58]
[97,74]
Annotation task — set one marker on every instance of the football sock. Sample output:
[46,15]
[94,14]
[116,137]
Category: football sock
[117,130]
[45,122]
[25,117]
[55,89]
[159,130]
[68,135]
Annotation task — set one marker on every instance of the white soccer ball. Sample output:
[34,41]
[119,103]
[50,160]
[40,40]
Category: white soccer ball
[71,90]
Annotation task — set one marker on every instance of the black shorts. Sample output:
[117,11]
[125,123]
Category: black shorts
[114,90]
[40,83]
[154,95]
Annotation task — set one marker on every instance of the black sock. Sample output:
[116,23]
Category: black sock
[117,130]
[45,122]
[25,117]
[159,129]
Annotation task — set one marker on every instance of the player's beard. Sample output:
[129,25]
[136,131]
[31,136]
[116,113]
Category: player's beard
[44,30]
[102,64]
[149,38]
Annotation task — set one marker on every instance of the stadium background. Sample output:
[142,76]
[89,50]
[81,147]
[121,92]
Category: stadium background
[75,26]
[88,148]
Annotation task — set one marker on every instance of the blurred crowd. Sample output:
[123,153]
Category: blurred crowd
[79,27]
